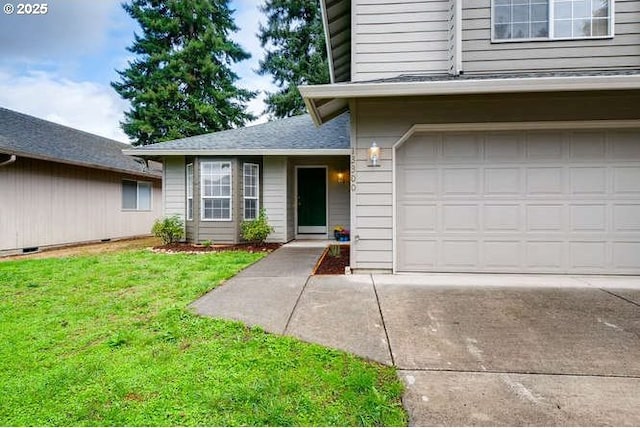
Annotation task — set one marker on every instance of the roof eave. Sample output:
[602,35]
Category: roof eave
[21,154]
[317,95]
[248,152]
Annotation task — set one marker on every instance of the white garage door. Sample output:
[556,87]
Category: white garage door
[528,201]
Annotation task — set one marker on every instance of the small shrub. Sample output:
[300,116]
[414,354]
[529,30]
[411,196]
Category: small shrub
[169,229]
[256,231]
[207,243]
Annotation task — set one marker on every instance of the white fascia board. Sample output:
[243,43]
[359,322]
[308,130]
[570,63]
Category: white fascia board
[469,86]
[327,38]
[257,152]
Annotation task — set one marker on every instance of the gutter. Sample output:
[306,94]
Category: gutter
[237,152]
[11,160]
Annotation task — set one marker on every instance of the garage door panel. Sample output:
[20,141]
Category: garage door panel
[417,218]
[539,202]
[503,147]
[587,146]
[545,218]
[459,254]
[544,146]
[544,181]
[459,181]
[588,181]
[503,217]
[626,180]
[417,254]
[588,256]
[626,256]
[627,217]
[502,181]
[461,147]
[417,181]
[501,254]
[624,145]
[460,218]
[588,218]
[544,256]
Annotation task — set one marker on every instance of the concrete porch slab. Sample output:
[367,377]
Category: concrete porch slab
[342,312]
[504,399]
[539,330]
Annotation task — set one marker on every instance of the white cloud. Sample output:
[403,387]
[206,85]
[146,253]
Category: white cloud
[87,106]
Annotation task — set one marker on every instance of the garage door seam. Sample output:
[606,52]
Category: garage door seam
[384,325]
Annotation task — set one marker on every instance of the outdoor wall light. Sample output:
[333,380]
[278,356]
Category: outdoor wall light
[341,177]
[374,154]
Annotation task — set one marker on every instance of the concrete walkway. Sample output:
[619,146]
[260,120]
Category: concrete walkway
[471,349]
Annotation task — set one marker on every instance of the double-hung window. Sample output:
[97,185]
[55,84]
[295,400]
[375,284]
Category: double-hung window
[516,20]
[190,191]
[251,179]
[215,184]
[136,195]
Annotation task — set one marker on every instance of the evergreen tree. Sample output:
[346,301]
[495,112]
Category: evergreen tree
[295,52]
[180,84]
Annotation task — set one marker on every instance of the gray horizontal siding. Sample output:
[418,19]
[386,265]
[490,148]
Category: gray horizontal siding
[395,37]
[480,55]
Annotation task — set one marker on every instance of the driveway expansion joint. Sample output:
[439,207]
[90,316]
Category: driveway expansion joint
[620,297]
[494,372]
[295,306]
[384,326]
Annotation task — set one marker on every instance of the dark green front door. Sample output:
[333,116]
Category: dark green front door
[312,200]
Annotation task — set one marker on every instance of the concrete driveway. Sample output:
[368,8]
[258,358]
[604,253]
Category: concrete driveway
[471,349]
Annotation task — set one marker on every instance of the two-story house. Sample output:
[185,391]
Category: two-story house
[506,132]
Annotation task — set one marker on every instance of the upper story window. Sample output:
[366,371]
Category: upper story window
[136,195]
[215,184]
[551,19]
[251,177]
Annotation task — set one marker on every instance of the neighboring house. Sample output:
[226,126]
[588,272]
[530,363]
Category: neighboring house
[509,133]
[60,186]
[294,170]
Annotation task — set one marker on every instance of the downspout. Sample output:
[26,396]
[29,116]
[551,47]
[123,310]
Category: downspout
[11,160]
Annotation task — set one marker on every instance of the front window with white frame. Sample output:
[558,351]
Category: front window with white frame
[215,184]
[251,180]
[517,20]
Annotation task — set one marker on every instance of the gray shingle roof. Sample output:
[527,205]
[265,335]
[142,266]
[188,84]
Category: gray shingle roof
[448,77]
[29,136]
[289,134]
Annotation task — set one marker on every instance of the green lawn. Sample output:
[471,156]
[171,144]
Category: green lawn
[108,340]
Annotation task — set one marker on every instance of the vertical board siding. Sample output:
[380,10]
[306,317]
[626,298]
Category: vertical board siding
[47,204]
[385,121]
[480,55]
[396,37]
[274,196]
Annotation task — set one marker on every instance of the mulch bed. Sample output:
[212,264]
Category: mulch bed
[330,265]
[192,248]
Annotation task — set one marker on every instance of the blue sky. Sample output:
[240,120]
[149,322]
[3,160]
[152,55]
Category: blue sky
[58,66]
